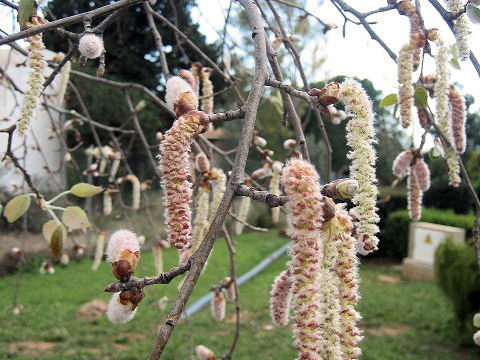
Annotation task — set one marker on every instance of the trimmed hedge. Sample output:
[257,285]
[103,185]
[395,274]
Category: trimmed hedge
[395,232]
[459,278]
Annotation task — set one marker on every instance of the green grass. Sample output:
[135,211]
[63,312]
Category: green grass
[417,308]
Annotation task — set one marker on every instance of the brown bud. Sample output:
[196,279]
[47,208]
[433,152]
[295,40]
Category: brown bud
[404,7]
[122,270]
[328,209]
[328,95]
[417,40]
[433,34]
[132,296]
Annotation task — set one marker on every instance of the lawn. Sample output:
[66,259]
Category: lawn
[402,319]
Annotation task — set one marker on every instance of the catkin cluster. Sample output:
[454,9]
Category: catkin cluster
[461,28]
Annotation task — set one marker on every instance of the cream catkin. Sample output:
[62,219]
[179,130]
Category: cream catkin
[361,137]
[107,203]
[441,95]
[415,195]
[218,189]
[459,117]
[195,70]
[218,305]
[346,270]
[402,163]
[175,168]
[99,251]
[330,327]
[305,216]
[280,298]
[207,91]
[461,28]
[135,191]
[36,78]
[422,174]
[274,188]
[157,250]
[405,90]
[243,211]
[200,223]
[202,164]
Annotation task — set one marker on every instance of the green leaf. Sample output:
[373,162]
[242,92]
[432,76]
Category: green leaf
[49,228]
[75,218]
[17,207]
[420,97]
[85,190]
[473,13]
[455,64]
[26,8]
[56,242]
[389,100]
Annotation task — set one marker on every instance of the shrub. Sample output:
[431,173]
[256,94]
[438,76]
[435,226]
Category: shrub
[395,232]
[459,278]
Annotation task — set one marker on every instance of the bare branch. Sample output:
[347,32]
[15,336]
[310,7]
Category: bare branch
[252,227]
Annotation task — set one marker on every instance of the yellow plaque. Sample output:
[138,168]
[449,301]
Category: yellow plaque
[428,239]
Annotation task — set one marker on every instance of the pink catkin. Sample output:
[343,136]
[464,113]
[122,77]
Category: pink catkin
[202,164]
[305,219]
[414,198]
[347,272]
[422,174]
[218,305]
[457,106]
[422,118]
[119,241]
[402,163]
[280,298]
[175,168]
[184,255]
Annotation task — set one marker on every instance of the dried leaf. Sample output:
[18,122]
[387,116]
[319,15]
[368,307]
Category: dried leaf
[56,242]
[50,226]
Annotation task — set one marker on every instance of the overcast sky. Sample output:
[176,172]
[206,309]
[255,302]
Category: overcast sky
[355,55]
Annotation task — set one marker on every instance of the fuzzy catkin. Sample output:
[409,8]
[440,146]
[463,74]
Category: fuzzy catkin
[305,219]
[346,270]
[422,174]
[402,163]
[422,118]
[274,188]
[91,46]
[457,106]
[120,241]
[175,168]
[200,223]
[243,211]
[405,90]
[218,190]
[36,78]
[415,195]
[361,137]
[330,327]
[207,91]
[461,28]
[280,298]
[218,305]
[107,203]
[202,164]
